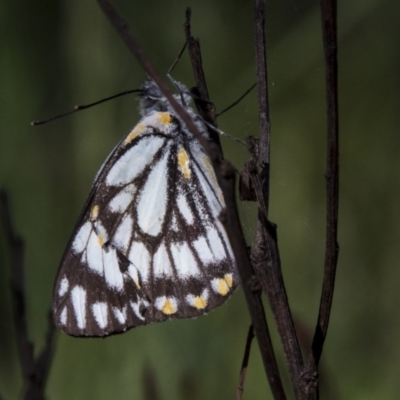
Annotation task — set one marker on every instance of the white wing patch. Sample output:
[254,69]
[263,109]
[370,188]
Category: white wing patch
[64,316]
[185,209]
[123,235]
[94,254]
[139,256]
[122,200]
[100,313]
[184,261]
[153,200]
[136,309]
[134,161]
[120,315]
[78,298]
[216,245]
[161,264]
[81,238]
[112,273]
[203,250]
[64,285]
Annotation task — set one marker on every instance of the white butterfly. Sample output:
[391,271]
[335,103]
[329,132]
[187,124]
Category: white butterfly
[149,245]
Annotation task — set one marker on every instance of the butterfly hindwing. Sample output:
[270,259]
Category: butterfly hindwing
[149,245]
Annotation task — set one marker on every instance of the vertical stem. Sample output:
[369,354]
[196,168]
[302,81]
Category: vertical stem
[265,252]
[329,31]
[329,11]
[262,91]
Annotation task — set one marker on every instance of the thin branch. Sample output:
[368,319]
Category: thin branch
[253,298]
[329,29]
[265,252]
[205,107]
[266,261]
[34,371]
[262,91]
[232,224]
[245,363]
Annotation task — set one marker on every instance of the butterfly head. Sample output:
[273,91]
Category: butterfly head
[152,99]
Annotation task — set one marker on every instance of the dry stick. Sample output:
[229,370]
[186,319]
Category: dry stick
[266,261]
[226,178]
[262,331]
[34,372]
[245,363]
[206,108]
[253,298]
[265,253]
[329,28]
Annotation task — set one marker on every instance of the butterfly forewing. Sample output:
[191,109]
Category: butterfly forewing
[150,245]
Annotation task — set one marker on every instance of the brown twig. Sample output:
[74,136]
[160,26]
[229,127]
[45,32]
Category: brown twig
[235,234]
[265,252]
[253,298]
[329,29]
[264,122]
[34,371]
[206,108]
[245,363]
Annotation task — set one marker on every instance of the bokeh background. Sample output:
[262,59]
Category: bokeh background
[55,54]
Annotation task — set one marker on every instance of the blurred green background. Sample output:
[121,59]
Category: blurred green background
[56,54]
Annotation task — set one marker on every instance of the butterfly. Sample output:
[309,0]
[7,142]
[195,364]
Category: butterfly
[149,245]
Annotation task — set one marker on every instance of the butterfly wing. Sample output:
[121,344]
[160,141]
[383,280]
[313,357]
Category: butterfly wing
[149,245]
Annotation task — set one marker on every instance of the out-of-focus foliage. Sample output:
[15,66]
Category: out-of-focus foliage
[57,54]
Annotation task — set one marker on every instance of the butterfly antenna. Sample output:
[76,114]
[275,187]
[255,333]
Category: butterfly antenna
[174,82]
[222,133]
[84,107]
[177,60]
[237,101]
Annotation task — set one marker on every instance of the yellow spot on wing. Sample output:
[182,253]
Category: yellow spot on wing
[164,118]
[228,279]
[183,161]
[137,283]
[169,307]
[211,173]
[222,287]
[139,128]
[210,169]
[100,240]
[94,213]
[199,302]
